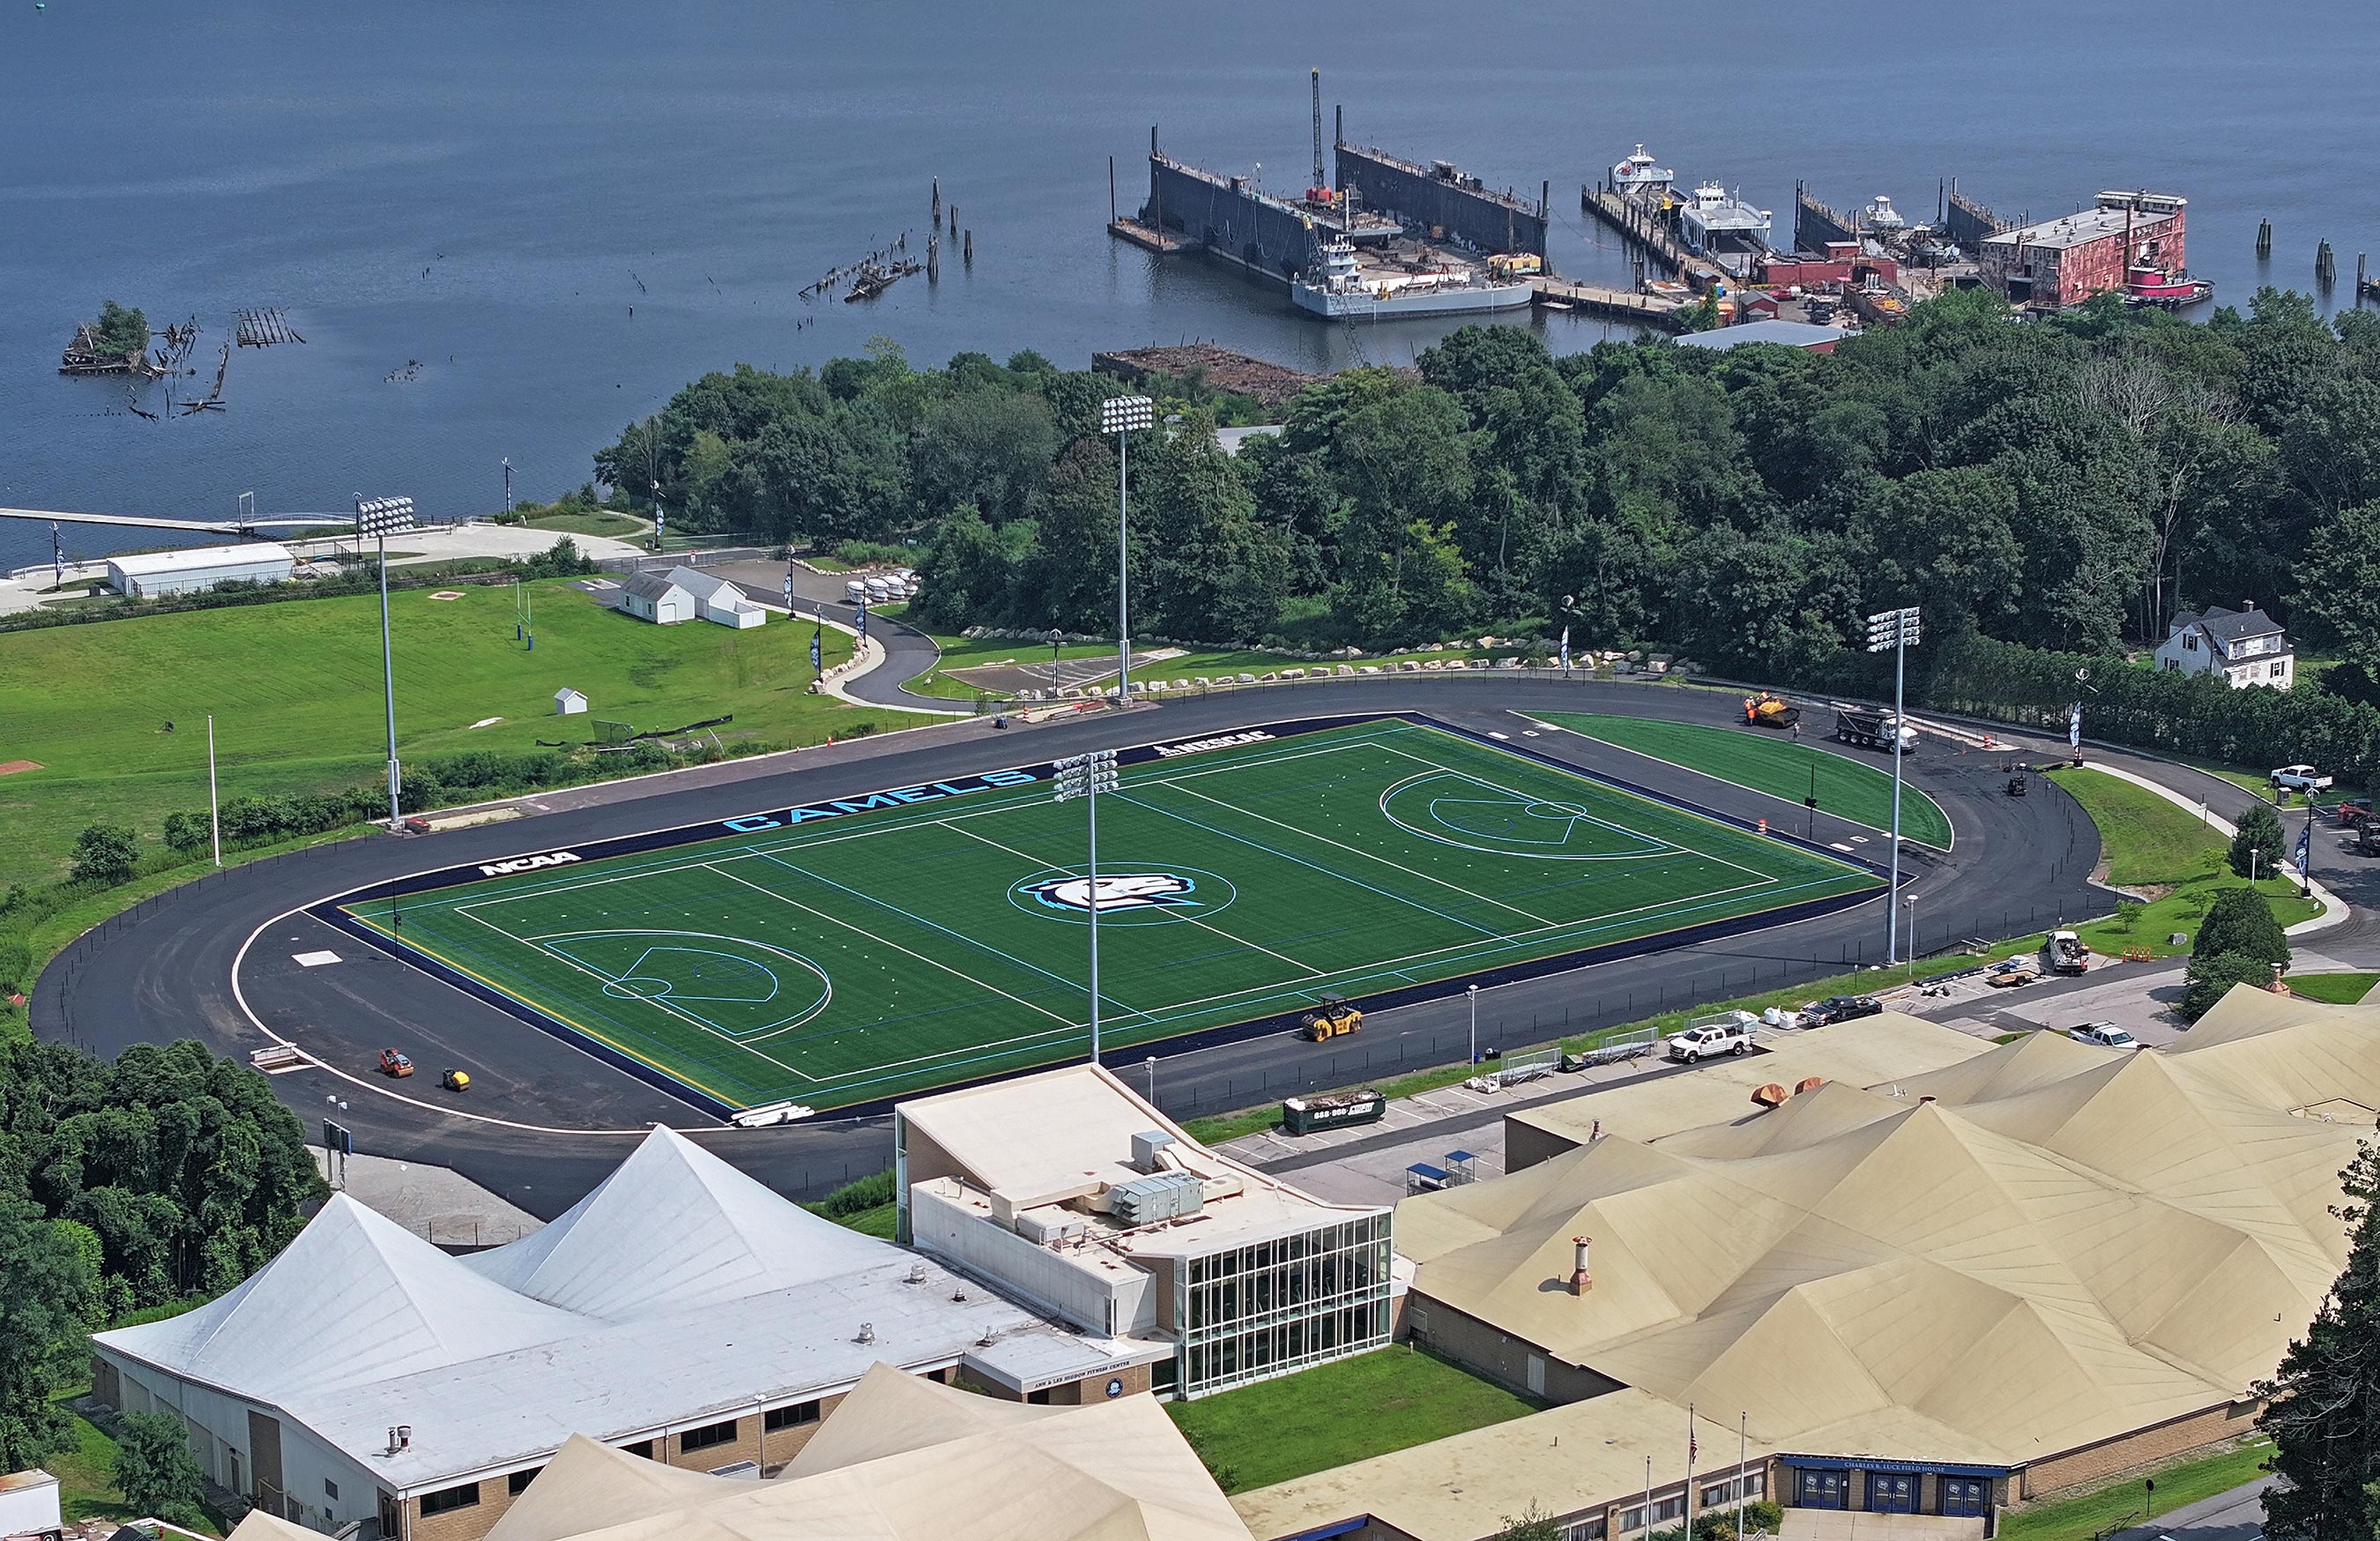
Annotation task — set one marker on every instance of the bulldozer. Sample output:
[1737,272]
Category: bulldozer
[1333,1018]
[1770,711]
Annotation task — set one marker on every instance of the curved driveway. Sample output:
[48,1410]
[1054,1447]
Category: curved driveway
[165,970]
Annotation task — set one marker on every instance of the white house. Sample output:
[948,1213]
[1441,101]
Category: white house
[651,597]
[568,702]
[716,599]
[2246,646]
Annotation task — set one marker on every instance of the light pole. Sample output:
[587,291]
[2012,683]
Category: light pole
[1120,415]
[1151,1064]
[1471,993]
[1894,630]
[379,518]
[1911,903]
[214,806]
[1056,636]
[1086,776]
[508,483]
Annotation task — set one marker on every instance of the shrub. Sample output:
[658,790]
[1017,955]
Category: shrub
[155,1470]
[2210,978]
[106,855]
[868,1193]
[2241,921]
[868,553]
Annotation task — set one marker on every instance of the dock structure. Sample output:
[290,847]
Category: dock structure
[1440,197]
[1968,222]
[1815,223]
[1639,224]
[1555,294]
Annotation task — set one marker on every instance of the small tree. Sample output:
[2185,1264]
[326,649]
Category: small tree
[120,331]
[2240,920]
[155,1470]
[106,855]
[2210,978]
[1533,1525]
[2324,1402]
[2260,832]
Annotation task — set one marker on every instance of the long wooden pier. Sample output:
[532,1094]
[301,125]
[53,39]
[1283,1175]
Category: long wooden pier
[1556,294]
[1636,224]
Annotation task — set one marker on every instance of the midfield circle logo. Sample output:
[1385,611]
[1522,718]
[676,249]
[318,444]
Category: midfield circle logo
[1131,891]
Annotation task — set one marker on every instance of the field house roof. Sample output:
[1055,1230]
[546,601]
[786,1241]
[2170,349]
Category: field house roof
[679,1290]
[652,585]
[900,1459]
[2032,1248]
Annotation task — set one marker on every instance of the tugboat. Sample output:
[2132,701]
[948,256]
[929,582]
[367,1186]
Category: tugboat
[2146,284]
[1634,175]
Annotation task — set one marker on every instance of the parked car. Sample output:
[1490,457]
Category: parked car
[394,1063]
[2300,778]
[2105,1035]
[416,824]
[1710,1039]
[1841,1008]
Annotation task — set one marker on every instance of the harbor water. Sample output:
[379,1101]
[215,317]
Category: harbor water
[507,230]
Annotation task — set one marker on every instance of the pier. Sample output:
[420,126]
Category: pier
[1556,294]
[1639,224]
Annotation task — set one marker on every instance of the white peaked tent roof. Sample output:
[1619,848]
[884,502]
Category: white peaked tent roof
[2038,1247]
[904,1460]
[354,1289]
[675,1227]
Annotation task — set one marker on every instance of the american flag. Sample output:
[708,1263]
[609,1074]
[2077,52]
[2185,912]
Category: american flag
[1694,1446]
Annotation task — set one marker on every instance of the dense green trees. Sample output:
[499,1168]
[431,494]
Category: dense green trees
[119,331]
[2258,845]
[2238,943]
[155,1471]
[2324,1402]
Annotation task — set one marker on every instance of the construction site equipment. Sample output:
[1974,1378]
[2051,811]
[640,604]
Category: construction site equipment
[1873,730]
[457,1080]
[2064,952]
[1319,191]
[2355,810]
[1334,1018]
[2016,784]
[1515,265]
[2367,838]
[1303,1115]
[1766,710]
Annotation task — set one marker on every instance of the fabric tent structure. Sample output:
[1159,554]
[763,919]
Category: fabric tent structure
[2041,1246]
[902,1460]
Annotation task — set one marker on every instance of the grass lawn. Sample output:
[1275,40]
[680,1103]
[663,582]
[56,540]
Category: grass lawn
[2340,989]
[2150,845]
[757,961]
[296,691]
[1388,1400]
[2080,1516]
[599,521]
[1766,760]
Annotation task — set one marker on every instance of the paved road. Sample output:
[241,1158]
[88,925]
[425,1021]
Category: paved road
[165,970]
[2238,1515]
[908,652]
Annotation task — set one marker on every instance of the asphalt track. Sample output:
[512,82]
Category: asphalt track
[544,1121]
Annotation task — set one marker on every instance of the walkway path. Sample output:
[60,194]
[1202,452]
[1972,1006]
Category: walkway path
[2238,1515]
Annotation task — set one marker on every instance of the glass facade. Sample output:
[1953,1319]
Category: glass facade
[1266,1308]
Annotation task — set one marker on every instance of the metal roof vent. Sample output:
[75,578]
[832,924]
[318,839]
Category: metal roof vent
[867,1333]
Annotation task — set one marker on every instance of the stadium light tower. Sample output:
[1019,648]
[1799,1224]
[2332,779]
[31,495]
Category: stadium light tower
[379,518]
[1120,415]
[1086,776]
[1895,631]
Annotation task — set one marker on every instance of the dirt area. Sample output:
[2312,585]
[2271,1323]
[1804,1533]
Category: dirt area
[1238,373]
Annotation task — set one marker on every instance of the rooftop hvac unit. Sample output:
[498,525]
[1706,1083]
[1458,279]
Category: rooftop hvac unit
[738,1469]
[1145,1150]
[1048,1230]
[1145,1200]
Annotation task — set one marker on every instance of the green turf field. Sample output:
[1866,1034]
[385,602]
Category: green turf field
[1766,760]
[878,953]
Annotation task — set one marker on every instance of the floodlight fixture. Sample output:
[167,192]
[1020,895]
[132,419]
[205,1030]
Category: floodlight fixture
[379,518]
[1121,416]
[1896,631]
[1086,776]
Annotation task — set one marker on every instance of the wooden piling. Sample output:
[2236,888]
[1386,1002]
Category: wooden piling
[2326,265]
[966,251]
[2265,239]
[938,202]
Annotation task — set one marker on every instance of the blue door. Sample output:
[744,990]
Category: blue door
[1891,1493]
[1822,1489]
[1965,1496]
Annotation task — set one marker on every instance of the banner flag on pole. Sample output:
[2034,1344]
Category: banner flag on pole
[816,649]
[2074,726]
[1565,647]
[2305,843]
[57,553]
[862,627]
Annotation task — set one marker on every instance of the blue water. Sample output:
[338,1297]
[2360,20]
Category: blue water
[532,157]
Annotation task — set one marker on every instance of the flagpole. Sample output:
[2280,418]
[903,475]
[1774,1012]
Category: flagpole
[1686,1501]
[1742,1453]
[1648,1498]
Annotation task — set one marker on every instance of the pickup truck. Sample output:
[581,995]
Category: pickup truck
[2064,952]
[2300,778]
[1709,1040]
[2105,1034]
[1840,1008]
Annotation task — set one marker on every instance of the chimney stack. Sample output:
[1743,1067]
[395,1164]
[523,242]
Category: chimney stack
[1581,1280]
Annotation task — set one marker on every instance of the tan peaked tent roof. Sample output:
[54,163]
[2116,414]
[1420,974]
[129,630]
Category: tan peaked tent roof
[2025,1251]
[901,1458]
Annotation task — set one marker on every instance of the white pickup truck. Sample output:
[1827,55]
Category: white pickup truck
[2105,1035]
[1729,1033]
[2300,778]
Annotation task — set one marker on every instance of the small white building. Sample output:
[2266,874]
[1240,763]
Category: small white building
[651,597]
[2245,646]
[187,571]
[568,702]
[716,599]
[29,1503]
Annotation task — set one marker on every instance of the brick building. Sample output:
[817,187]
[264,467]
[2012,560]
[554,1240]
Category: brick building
[2064,261]
[681,1312]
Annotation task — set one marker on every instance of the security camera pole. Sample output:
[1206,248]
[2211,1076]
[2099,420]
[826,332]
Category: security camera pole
[379,518]
[1895,630]
[1120,415]
[1086,776]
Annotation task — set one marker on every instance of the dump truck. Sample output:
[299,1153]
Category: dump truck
[1333,1018]
[2064,952]
[1766,710]
[1873,729]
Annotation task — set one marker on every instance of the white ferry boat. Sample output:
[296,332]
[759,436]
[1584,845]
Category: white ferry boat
[1723,228]
[1635,175]
[1345,290]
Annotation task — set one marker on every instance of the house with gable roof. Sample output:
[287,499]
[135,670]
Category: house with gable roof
[2245,646]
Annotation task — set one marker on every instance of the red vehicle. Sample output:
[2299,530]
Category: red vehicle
[417,825]
[394,1063]
[2354,811]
